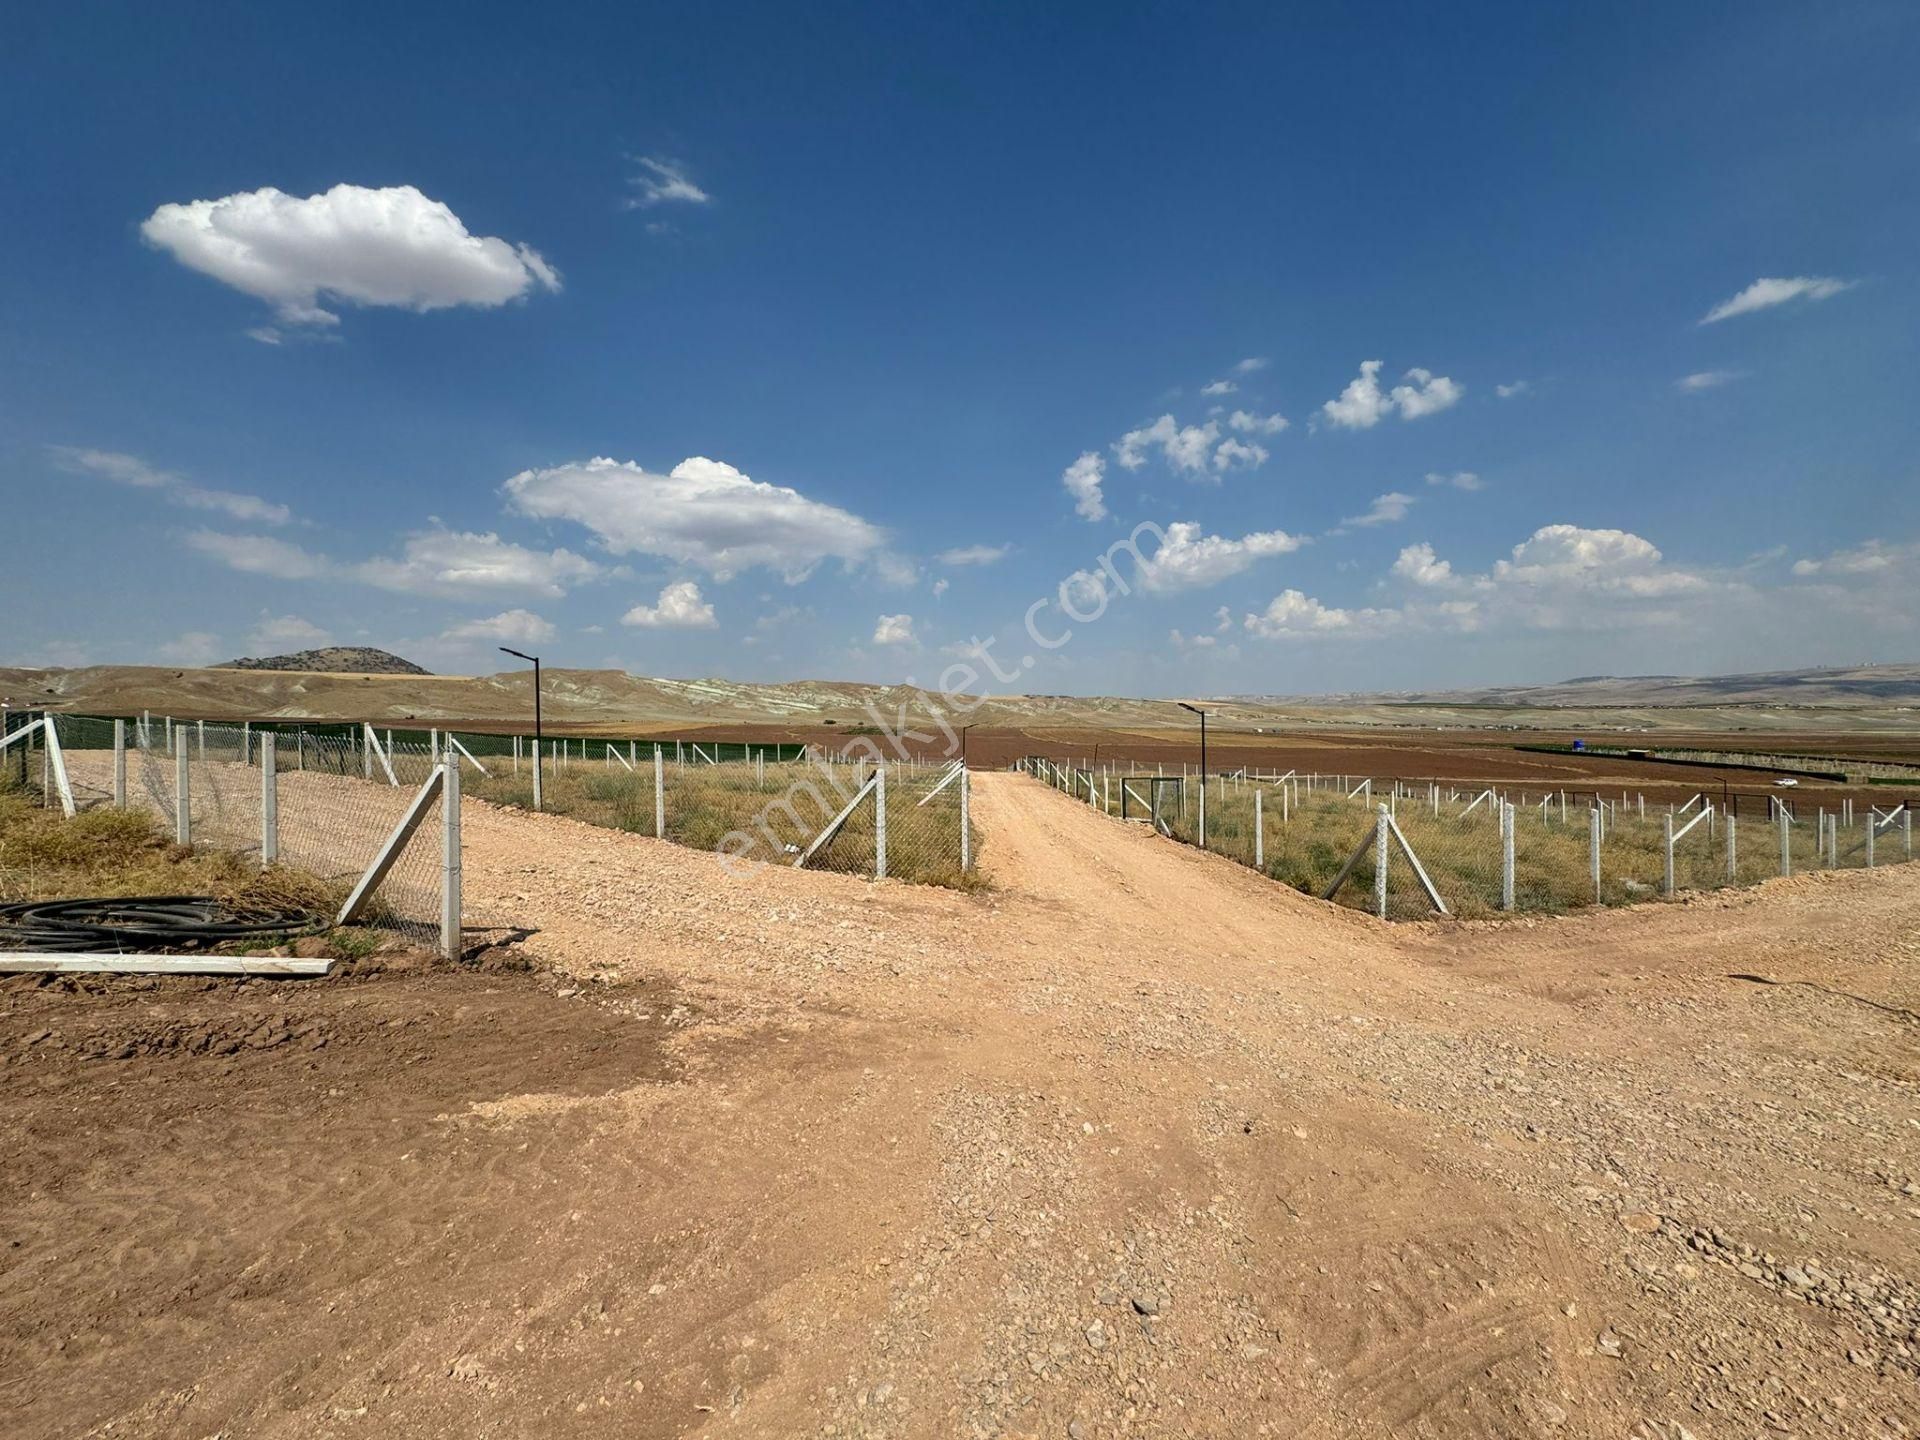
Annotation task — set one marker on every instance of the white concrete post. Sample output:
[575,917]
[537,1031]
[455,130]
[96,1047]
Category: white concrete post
[1203,814]
[1259,832]
[120,764]
[880,823]
[201,726]
[1380,863]
[966,835]
[1506,855]
[1786,841]
[450,860]
[269,800]
[1870,837]
[539,788]
[182,800]
[1593,849]
[1666,884]
[659,794]
[1733,854]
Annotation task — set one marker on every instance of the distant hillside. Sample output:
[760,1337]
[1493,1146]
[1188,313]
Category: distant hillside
[1850,685]
[332,659]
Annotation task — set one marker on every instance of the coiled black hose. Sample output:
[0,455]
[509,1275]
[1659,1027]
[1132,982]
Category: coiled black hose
[141,922]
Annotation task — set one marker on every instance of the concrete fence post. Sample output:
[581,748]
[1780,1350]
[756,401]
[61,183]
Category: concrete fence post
[1259,832]
[1203,814]
[1506,855]
[1593,849]
[1733,854]
[182,798]
[1380,824]
[1666,884]
[120,764]
[880,822]
[269,800]
[659,794]
[1870,837]
[450,859]
[966,835]
[1786,841]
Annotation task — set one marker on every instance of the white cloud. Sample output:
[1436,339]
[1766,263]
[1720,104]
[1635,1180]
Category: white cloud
[680,607]
[1707,380]
[974,554]
[1616,562]
[940,587]
[1252,364]
[660,181]
[1418,564]
[1517,387]
[1189,560]
[1764,294]
[176,489]
[1223,620]
[1363,404]
[1218,387]
[258,555]
[280,634]
[702,513]
[454,563]
[1384,510]
[195,647]
[392,247]
[519,627]
[1185,448]
[1191,642]
[894,630]
[1459,479]
[1248,423]
[1874,558]
[1291,615]
[898,571]
[1082,479]
[1243,454]
[447,563]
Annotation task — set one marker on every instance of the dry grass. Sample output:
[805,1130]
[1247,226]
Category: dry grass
[108,852]
[1461,854]
[779,813]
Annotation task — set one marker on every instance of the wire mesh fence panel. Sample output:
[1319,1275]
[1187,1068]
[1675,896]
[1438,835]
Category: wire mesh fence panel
[333,820]
[1461,854]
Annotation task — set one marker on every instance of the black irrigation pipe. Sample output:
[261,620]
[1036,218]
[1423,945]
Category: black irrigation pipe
[168,922]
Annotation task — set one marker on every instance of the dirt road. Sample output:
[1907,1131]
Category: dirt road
[1135,1143]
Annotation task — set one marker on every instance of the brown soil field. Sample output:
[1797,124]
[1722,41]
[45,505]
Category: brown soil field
[1133,1143]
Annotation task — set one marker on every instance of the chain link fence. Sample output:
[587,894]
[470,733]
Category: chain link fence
[1485,852]
[753,804]
[329,805]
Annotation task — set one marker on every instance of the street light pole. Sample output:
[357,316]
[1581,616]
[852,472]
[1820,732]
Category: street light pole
[539,799]
[1203,738]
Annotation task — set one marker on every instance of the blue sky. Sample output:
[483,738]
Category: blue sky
[311,325]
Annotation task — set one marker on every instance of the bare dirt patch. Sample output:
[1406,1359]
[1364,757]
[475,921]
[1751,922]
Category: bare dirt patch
[1133,1143]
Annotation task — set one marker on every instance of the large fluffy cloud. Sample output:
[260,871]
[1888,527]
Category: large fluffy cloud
[703,513]
[1188,560]
[680,607]
[1364,404]
[392,246]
